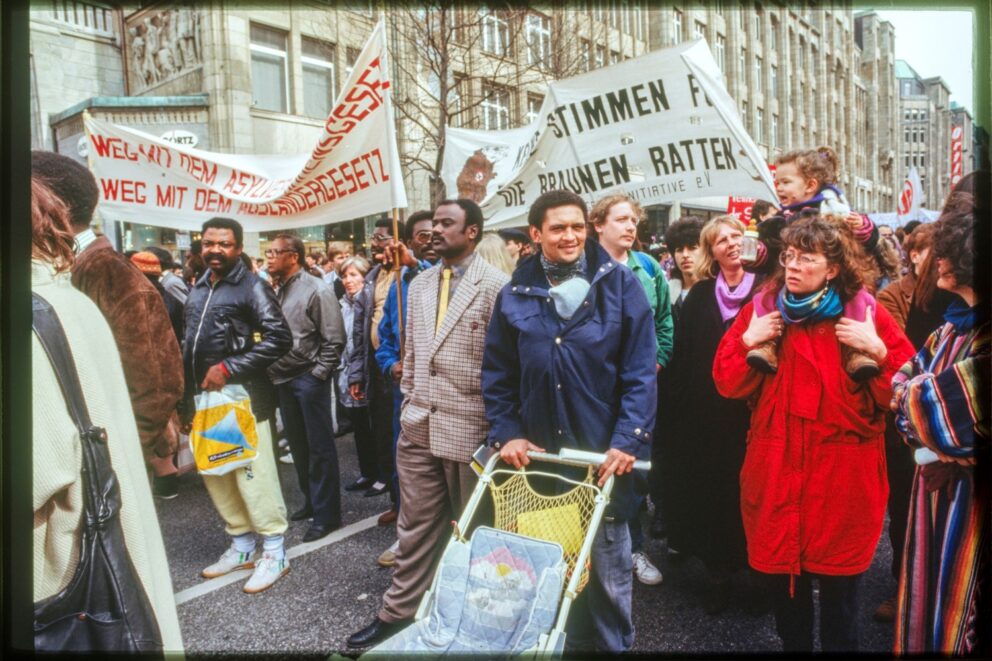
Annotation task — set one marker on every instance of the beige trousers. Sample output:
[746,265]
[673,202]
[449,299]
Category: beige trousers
[249,499]
[433,492]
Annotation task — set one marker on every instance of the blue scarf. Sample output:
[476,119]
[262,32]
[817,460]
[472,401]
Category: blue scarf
[561,272]
[964,318]
[824,304]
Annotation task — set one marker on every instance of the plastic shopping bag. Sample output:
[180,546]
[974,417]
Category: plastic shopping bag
[223,436]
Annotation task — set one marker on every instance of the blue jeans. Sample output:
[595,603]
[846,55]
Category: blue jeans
[310,431]
[601,615]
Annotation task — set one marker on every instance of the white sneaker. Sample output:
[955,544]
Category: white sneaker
[645,572]
[283,443]
[231,559]
[268,570]
[286,458]
[388,557]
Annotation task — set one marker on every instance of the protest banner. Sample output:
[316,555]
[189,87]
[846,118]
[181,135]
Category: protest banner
[660,127]
[352,171]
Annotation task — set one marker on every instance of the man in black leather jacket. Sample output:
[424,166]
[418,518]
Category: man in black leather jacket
[234,329]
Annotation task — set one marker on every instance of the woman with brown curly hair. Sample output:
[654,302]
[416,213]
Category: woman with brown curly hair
[57,483]
[812,487]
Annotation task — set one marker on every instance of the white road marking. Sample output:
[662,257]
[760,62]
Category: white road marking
[213,584]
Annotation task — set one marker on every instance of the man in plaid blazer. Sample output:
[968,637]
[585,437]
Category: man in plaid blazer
[443,418]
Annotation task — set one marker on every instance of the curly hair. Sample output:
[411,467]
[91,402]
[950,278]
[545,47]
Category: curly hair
[954,241]
[684,233]
[52,240]
[706,267]
[836,242]
[821,163]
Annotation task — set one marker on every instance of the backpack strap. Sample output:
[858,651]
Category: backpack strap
[646,263]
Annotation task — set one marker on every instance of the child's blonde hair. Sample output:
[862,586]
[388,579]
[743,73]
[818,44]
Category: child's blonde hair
[821,164]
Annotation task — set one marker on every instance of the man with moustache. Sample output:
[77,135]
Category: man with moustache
[304,379]
[570,362]
[235,330]
[443,418]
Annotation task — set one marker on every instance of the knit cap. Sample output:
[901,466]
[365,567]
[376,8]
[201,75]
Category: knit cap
[147,262]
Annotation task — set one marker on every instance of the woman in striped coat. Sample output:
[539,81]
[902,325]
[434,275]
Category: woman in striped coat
[941,402]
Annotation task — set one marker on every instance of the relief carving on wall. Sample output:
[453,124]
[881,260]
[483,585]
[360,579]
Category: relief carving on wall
[162,46]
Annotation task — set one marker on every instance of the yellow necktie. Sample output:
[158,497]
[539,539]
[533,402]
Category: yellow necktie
[442,305]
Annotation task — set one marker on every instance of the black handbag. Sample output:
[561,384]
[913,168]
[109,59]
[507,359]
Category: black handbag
[104,607]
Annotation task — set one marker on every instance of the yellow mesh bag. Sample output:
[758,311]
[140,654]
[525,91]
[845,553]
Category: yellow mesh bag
[562,518]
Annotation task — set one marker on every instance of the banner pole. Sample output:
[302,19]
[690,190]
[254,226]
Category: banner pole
[399,284]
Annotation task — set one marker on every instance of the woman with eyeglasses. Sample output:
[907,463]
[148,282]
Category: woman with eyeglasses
[813,486]
[704,441]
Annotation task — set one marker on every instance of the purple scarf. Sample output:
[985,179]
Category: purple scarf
[730,301]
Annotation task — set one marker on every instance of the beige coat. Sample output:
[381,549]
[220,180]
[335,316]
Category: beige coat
[442,374]
[57,488]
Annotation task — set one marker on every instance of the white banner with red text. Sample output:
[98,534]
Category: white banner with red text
[659,127]
[352,171]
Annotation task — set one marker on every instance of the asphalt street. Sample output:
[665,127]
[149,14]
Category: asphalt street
[334,586]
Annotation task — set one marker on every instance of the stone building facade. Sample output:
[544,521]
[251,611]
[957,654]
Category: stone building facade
[925,124]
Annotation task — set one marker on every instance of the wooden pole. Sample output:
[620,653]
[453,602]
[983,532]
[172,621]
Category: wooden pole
[399,279]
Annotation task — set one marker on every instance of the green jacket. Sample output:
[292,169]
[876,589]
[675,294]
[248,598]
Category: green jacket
[652,277]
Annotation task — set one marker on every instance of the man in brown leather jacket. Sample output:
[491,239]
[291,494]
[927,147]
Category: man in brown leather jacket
[134,311]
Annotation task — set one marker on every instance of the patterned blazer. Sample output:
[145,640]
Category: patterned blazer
[442,375]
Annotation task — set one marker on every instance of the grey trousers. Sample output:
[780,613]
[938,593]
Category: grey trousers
[433,492]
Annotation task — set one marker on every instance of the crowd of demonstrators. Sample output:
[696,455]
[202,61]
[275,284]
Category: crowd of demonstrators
[779,399]
[552,379]
[812,486]
[58,486]
[304,378]
[443,419]
[614,220]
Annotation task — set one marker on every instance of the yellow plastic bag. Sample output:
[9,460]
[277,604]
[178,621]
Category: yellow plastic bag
[561,524]
[223,436]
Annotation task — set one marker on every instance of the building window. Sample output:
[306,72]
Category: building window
[759,125]
[676,27]
[756,25]
[719,50]
[495,107]
[614,57]
[907,162]
[774,35]
[269,70]
[742,66]
[586,55]
[534,102]
[625,18]
[350,57]
[774,81]
[538,32]
[319,84]
[905,135]
[638,23]
[774,140]
[802,54]
[495,32]
[923,115]
[757,73]
[85,16]
[456,109]
[698,30]
[923,160]
[600,56]
[744,108]
[615,14]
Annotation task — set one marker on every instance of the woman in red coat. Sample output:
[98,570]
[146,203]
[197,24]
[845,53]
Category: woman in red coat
[813,486]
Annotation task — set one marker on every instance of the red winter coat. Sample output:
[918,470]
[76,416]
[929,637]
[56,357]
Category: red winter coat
[813,484]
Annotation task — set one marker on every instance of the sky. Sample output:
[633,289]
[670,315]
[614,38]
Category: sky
[922,40]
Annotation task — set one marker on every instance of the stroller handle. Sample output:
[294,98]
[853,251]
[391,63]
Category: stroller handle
[583,458]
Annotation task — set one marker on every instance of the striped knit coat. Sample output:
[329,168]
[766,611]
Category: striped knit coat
[942,396]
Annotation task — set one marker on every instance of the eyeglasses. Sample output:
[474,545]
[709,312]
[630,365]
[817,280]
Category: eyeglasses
[225,245]
[804,261]
[381,238]
[424,236]
[272,252]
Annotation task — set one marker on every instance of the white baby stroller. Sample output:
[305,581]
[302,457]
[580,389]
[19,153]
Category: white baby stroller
[506,590]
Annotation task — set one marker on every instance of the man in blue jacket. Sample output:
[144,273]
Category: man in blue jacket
[570,362]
